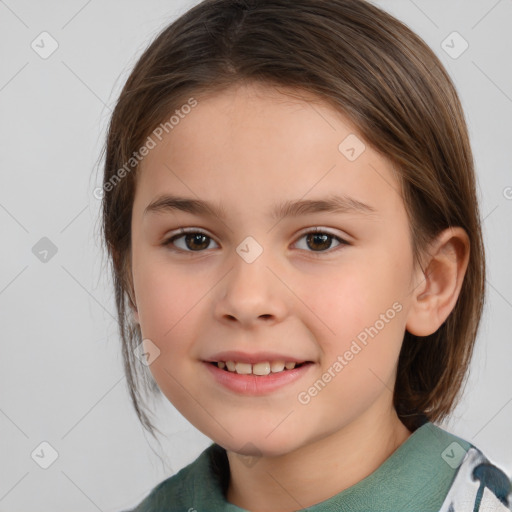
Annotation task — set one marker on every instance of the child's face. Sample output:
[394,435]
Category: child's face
[309,298]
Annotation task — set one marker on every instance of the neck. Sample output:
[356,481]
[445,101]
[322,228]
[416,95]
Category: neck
[315,472]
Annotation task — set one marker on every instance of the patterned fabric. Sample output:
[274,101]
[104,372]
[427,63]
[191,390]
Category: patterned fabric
[478,486]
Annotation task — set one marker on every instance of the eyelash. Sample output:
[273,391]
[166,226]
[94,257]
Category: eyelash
[169,242]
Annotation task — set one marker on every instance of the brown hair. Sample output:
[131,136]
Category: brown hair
[370,67]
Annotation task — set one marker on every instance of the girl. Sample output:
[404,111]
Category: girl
[290,208]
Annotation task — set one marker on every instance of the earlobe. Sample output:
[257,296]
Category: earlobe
[438,287]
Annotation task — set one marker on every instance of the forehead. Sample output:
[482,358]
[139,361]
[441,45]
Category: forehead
[254,140]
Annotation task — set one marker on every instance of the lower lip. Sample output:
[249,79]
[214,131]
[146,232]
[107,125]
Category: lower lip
[256,384]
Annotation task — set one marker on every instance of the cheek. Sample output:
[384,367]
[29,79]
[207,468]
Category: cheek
[358,314]
[169,305]
[163,294]
[340,301]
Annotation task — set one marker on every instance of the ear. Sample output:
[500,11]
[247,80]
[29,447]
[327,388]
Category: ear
[437,288]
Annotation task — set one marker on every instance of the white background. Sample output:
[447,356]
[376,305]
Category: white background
[61,378]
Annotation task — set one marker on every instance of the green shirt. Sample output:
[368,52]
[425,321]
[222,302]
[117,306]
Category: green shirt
[415,477]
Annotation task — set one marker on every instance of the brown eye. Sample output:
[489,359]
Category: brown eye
[197,241]
[320,241]
[194,241]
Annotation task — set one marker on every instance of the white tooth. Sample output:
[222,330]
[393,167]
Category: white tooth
[221,364]
[277,366]
[261,368]
[230,365]
[290,366]
[243,368]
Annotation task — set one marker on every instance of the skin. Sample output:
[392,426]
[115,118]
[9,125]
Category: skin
[248,148]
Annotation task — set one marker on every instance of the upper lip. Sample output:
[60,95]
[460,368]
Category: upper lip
[258,357]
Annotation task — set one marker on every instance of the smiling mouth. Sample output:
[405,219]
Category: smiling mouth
[263,368]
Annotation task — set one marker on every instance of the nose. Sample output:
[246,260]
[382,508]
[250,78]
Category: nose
[251,294]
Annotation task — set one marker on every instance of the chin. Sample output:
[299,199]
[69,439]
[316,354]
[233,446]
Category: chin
[259,445]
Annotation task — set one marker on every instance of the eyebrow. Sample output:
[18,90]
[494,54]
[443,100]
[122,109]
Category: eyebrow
[333,203]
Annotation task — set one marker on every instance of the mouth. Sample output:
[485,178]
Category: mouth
[257,378]
[261,369]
